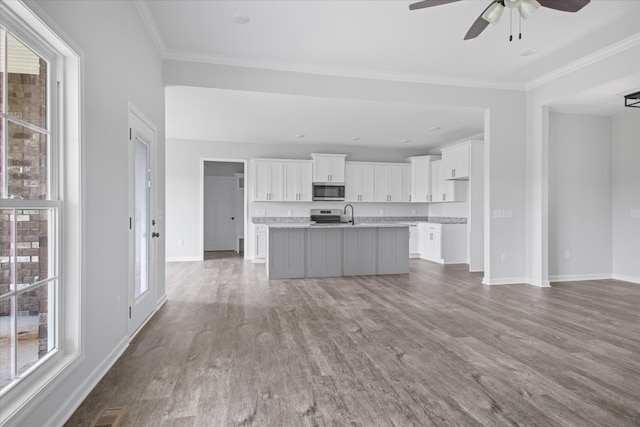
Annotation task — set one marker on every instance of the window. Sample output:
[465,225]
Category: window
[28,219]
[40,210]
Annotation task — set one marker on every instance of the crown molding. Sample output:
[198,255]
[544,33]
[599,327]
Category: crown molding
[150,23]
[585,61]
[339,72]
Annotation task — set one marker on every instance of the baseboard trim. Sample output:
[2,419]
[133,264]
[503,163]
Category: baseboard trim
[504,281]
[579,277]
[161,301]
[181,259]
[73,402]
[539,283]
[631,279]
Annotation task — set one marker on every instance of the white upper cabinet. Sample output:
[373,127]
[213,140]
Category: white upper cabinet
[455,161]
[359,182]
[268,180]
[421,187]
[297,181]
[328,167]
[444,190]
[389,182]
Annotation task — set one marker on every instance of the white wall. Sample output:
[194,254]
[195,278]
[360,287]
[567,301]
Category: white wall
[183,188]
[618,63]
[505,126]
[626,196]
[120,64]
[579,197]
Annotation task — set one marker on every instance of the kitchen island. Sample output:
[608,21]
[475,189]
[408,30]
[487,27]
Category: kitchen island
[302,250]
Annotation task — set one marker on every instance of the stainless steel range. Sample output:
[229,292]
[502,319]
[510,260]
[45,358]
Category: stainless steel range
[326,216]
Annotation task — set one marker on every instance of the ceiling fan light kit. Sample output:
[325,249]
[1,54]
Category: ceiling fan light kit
[494,11]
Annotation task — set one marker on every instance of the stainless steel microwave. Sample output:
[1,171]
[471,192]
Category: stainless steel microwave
[328,192]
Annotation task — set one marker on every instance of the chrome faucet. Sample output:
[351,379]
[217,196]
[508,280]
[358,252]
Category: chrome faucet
[345,212]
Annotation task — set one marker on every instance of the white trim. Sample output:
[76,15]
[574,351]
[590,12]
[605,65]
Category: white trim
[625,278]
[585,61]
[539,283]
[82,391]
[161,301]
[182,259]
[579,277]
[150,24]
[505,281]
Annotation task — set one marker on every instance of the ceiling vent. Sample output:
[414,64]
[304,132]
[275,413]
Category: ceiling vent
[632,100]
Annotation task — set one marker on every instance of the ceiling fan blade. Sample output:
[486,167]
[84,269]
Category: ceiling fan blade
[564,5]
[479,25]
[429,3]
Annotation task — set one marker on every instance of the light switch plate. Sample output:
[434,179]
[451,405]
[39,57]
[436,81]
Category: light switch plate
[507,213]
[497,213]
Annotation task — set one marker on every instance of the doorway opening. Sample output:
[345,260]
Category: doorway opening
[223,208]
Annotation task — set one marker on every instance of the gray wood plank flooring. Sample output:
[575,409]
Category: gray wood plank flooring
[431,348]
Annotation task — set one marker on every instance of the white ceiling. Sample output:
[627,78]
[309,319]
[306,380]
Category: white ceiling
[380,39]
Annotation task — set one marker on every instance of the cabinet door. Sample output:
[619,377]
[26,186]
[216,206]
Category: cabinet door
[393,250]
[260,246]
[353,183]
[321,169]
[306,185]
[285,258]
[268,181]
[367,193]
[337,169]
[462,161]
[297,181]
[455,162]
[359,251]
[262,181]
[438,190]
[324,253]
[449,160]
[381,179]
[406,183]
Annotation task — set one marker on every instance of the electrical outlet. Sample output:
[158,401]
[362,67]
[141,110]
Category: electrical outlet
[413,212]
[260,212]
[567,254]
[503,257]
[180,243]
[289,212]
[497,213]
[381,212]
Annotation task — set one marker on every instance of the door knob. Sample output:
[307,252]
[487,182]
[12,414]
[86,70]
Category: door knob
[154,234]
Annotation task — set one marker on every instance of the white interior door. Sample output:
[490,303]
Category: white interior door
[219,213]
[142,235]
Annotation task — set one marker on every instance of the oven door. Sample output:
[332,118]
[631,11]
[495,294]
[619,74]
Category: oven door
[328,192]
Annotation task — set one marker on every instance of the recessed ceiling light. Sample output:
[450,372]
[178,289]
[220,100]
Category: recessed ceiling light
[354,138]
[300,135]
[528,52]
[241,19]
[405,141]
[435,128]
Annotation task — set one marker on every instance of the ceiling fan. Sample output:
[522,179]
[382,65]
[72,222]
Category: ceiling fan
[494,11]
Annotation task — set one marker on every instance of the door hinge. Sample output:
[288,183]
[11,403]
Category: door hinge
[130,134]
[130,223]
[129,312]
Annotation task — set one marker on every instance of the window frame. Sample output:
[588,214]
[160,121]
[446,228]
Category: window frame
[65,191]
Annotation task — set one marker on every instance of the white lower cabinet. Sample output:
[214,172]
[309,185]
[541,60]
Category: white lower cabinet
[443,243]
[260,243]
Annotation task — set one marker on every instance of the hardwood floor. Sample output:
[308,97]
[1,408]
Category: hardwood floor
[433,347]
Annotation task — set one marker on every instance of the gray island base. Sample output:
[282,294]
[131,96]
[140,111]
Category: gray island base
[307,250]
